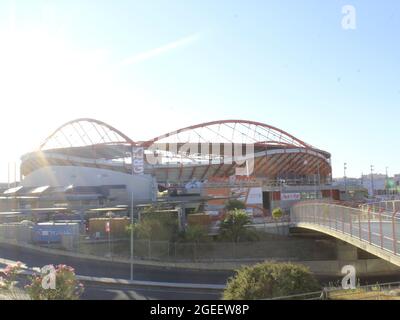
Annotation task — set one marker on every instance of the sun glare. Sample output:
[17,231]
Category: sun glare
[40,74]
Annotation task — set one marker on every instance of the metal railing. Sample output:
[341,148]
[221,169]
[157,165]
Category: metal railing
[382,206]
[379,291]
[377,225]
[317,295]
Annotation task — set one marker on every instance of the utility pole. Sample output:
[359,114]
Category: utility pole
[345,179]
[372,181]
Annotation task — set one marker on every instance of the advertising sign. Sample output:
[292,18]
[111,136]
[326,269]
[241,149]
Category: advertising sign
[290,196]
[255,196]
[137,160]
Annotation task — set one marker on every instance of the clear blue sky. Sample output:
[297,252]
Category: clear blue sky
[148,67]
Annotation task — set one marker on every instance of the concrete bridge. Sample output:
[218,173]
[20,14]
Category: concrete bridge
[374,228]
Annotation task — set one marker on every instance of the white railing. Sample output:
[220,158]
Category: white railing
[375,225]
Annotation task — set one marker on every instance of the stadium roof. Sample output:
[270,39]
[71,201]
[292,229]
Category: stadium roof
[186,153]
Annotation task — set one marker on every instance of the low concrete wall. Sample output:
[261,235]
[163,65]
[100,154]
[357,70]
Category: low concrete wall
[326,267]
[370,267]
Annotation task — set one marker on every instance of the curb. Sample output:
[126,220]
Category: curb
[134,283]
[152,283]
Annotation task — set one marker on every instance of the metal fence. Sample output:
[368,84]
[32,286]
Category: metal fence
[271,247]
[275,249]
[379,291]
[383,291]
[382,206]
[376,224]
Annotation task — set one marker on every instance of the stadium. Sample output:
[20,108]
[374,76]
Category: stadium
[89,163]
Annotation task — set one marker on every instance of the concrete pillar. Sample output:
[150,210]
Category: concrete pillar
[346,252]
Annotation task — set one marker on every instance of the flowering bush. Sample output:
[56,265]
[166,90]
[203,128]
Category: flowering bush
[10,273]
[67,287]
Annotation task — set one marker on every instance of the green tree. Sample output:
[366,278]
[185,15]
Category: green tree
[269,280]
[233,227]
[234,204]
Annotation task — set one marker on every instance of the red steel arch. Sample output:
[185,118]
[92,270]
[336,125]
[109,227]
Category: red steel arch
[280,136]
[88,131]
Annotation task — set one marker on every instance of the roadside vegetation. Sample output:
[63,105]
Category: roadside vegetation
[61,285]
[269,280]
[158,225]
[157,236]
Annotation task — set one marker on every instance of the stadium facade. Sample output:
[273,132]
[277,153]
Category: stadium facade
[88,163]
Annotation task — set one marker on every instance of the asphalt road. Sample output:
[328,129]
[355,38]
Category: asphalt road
[122,271]
[144,273]
[95,292]
[114,270]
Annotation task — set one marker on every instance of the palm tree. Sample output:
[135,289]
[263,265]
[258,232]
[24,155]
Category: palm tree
[233,226]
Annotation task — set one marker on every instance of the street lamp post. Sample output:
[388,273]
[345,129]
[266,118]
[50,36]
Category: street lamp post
[131,260]
[345,179]
[108,230]
[372,181]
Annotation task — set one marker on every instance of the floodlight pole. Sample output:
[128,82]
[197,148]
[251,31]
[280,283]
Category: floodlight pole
[345,179]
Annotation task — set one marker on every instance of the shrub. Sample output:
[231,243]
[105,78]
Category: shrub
[269,280]
[67,287]
[10,274]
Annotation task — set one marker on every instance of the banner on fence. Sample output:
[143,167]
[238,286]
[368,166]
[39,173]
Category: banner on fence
[290,196]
